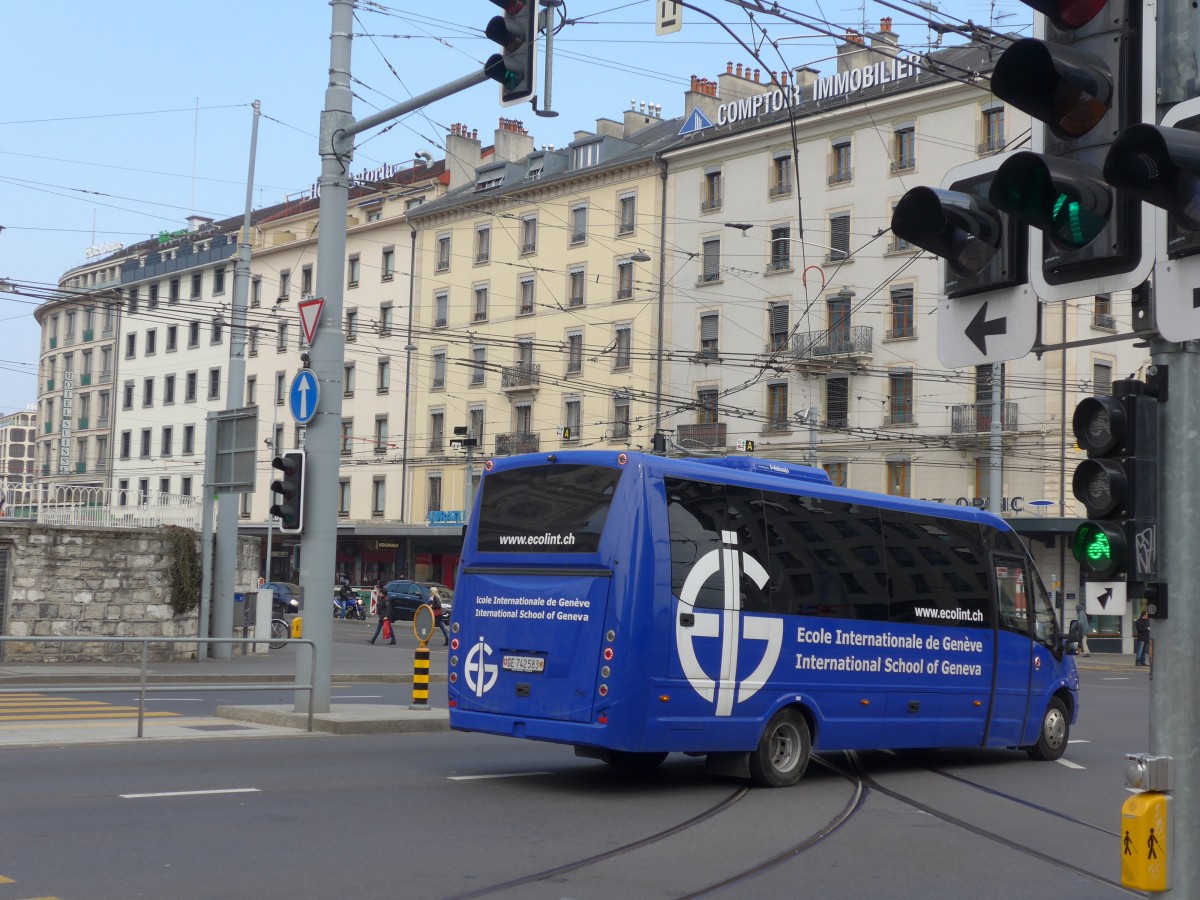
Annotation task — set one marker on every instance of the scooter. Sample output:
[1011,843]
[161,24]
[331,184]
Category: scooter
[347,605]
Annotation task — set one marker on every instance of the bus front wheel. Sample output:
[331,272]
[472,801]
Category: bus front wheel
[1052,737]
[782,753]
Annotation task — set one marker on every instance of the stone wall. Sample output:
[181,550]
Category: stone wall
[102,582]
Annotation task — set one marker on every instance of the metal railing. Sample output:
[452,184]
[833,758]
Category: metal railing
[143,684]
[64,504]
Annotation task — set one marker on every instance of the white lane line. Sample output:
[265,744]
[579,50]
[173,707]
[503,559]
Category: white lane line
[174,699]
[1069,764]
[501,775]
[1078,741]
[1117,678]
[190,793]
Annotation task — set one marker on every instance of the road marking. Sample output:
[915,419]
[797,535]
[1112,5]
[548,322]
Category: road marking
[499,775]
[1078,741]
[1116,678]
[174,699]
[4,880]
[86,715]
[360,697]
[1069,764]
[190,793]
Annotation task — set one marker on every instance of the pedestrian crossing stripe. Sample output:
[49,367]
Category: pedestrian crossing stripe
[41,708]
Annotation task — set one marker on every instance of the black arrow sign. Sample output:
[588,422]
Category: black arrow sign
[980,328]
[1105,597]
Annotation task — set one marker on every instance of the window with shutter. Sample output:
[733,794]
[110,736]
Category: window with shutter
[837,402]
[1102,378]
[781,248]
[712,260]
[839,236]
[710,324]
[777,316]
[901,313]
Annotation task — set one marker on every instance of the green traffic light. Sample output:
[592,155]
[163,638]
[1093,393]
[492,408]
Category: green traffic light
[1097,548]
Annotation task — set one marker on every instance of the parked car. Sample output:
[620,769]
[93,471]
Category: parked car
[286,598]
[406,596]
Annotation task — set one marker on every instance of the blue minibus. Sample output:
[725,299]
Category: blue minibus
[749,611]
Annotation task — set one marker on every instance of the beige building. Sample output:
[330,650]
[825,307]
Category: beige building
[538,307]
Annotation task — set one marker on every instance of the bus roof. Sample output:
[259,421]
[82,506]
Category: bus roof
[765,473]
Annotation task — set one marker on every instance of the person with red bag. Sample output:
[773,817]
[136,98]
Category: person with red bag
[383,609]
[435,603]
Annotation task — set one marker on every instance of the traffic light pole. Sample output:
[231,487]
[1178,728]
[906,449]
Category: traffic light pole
[327,354]
[1175,687]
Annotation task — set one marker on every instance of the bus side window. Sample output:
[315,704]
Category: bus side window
[1045,622]
[1010,591]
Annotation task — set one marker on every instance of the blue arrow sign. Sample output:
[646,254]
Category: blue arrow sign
[303,396]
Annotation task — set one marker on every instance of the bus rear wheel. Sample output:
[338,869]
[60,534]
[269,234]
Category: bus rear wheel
[783,750]
[1053,735]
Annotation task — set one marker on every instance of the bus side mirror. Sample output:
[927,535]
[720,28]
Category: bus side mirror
[1074,636]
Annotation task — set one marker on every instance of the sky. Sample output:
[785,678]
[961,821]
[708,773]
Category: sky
[119,120]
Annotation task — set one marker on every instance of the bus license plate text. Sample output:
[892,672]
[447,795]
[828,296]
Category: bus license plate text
[523,664]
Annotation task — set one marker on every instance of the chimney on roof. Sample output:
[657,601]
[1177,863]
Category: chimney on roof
[885,41]
[853,52]
[512,141]
[462,155]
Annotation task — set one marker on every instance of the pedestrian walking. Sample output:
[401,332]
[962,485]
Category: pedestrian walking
[383,610]
[1141,639]
[1082,616]
[435,602]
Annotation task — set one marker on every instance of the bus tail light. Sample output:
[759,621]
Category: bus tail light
[608,654]
[602,719]
[604,690]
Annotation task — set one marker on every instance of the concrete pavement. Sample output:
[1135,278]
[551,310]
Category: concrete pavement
[30,717]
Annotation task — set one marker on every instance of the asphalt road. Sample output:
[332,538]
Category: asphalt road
[456,815]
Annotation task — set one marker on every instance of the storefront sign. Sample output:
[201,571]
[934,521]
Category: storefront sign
[446,517]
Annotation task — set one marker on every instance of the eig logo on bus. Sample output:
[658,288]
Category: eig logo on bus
[735,630]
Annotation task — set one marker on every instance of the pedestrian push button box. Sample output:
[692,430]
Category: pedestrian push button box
[1145,841]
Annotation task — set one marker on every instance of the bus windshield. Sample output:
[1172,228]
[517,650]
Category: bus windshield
[550,509]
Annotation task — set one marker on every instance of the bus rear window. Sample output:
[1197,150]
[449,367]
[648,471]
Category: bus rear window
[545,509]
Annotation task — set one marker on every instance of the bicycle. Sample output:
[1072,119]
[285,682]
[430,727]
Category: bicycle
[280,632]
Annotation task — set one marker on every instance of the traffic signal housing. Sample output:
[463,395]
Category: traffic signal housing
[1118,484]
[289,487]
[986,313]
[516,67]
[1086,77]
[1160,165]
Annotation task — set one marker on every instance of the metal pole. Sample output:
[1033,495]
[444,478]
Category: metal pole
[235,393]
[409,347]
[550,8]
[1175,688]
[662,303]
[318,543]
[206,544]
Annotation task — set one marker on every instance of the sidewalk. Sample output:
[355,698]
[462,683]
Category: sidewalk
[354,660]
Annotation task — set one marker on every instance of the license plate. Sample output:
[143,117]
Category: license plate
[523,664]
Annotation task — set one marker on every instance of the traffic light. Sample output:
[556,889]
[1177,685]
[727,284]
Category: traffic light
[1160,165]
[1086,78]
[987,313]
[516,32]
[290,487]
[1118,484]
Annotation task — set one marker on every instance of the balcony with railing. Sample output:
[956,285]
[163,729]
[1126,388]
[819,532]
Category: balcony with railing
[521,377]
[854,341]
[1104,320]
[709,436]
[514,442]
[975,419]
[780,189]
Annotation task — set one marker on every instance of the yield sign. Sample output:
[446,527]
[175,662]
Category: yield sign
[310,314]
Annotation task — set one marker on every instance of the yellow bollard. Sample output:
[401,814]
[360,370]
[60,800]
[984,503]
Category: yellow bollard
[298,627]
[420,698]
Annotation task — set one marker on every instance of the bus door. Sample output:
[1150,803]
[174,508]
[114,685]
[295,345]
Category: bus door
[1014,652]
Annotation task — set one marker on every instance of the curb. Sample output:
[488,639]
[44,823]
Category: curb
[358,719]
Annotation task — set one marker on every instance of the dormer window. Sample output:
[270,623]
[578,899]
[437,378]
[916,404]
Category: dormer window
[586,155]
[489,181]
[535,169]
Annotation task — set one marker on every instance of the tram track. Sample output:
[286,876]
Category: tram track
[861,784]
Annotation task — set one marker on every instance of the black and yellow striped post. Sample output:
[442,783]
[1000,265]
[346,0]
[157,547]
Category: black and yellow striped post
[423,624]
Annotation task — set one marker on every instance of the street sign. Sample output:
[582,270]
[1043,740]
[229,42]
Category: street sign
[670,17]
[303,396]
[310,314]
[462,443]
[1105,598]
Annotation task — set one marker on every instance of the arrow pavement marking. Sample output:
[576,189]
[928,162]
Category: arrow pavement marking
[980,328]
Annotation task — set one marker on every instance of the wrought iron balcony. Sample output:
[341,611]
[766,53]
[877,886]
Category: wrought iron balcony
[1103,320]
[521,376]
[710,436]
[515,442]
[976,418]
[854,341]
